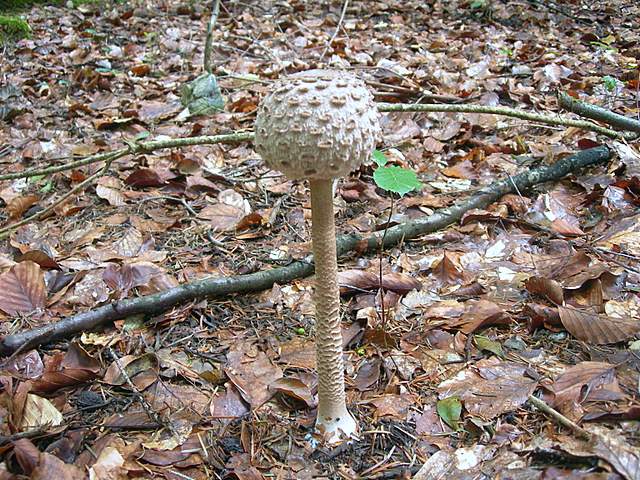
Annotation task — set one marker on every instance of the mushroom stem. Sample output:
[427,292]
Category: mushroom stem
[333,417]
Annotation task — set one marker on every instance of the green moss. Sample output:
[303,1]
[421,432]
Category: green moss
[13,28]
[13,5]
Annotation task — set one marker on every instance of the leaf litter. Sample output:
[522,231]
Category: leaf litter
[536,295]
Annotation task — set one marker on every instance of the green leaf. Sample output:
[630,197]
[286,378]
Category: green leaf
[484,343]
[450,410]
[379,157]
[47,187]
[396,179]
[610,83]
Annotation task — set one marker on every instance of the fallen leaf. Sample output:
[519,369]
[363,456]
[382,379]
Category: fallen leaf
[490,388]
[23,289]
[294,388]
[598,329]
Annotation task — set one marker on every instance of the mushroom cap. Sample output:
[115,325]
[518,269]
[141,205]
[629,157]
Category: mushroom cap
[318,124]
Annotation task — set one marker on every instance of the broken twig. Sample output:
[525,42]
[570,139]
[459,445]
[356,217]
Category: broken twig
[561,419]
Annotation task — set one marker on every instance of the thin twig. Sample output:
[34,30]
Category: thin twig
[153,415]
[215,11]
[505,111]
[134,148]
[44,212]
[335,34]
[561,419]
[235,137]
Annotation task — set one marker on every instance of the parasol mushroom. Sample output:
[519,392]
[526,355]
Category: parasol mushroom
[320,125]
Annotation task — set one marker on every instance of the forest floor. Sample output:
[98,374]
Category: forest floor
[534,299]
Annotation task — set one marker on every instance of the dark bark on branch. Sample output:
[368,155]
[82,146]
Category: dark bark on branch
[219,287]
[598,113]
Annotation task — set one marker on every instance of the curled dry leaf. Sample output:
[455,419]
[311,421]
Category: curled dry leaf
[490,388]
[545,287]
[39,257]
[294,388]
[149,177]
[39,413]
[72,368]
[252,374]
[598,329]
[222,217]
[583,382]
[480,314]
[368,374]
[360,280]
[391,405]
[110,189]
[17,206]
[448,271]
[23,289]
[229,404]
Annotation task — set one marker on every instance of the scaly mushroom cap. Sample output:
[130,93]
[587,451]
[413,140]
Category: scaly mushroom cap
[319,124]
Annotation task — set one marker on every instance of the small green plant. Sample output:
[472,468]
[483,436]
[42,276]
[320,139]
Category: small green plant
[397,180]
[610,83]
[13,28]
[393,179]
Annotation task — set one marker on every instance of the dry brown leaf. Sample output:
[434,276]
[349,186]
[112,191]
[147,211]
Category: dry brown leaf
[545,287]
[294,388]
[64,370]
[229,404]
[222,217]
[110,189]
[17,206]
[490,388]
[251,374]
[586,381]
[448,271]
[23,289]
[596,329]
[368,374]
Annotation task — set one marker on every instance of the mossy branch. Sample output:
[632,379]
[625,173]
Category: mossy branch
[133,148]
[217,287]
[5,231]
[598,113]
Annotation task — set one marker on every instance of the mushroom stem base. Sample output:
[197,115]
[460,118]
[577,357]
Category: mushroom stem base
[338,427]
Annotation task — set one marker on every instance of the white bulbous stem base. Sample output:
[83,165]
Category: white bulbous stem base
[334,422]
[337,427]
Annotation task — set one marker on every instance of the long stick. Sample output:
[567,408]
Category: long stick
[146,147]
[134,148]
[217,287]
[504,111]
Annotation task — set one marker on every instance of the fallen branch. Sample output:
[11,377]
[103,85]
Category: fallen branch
[218,287]
[598,113]
[504,111]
